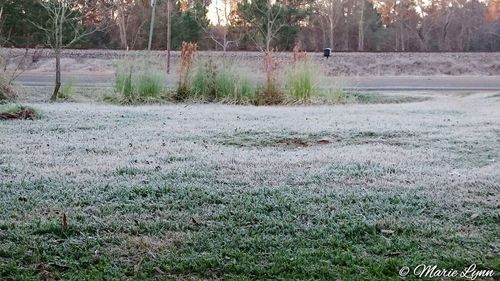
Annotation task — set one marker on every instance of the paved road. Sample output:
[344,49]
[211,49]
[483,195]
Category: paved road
[382,83]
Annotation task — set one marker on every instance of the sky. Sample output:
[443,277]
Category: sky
[212,11]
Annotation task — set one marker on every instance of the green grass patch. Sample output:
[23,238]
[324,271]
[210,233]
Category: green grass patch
[300,82]
[213,82]
[67,91]
[184,228]
[17,111]
[10,107]
[138,83]
[338,95]
[497,95]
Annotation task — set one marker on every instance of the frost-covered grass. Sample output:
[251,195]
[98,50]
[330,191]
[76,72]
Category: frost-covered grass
[350,192]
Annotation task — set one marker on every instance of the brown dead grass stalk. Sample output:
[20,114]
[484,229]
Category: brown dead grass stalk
[271,93]
[187,55]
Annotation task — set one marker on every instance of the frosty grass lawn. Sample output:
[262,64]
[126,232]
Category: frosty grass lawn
[350,192]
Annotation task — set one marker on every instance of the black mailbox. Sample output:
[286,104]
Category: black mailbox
[327,52]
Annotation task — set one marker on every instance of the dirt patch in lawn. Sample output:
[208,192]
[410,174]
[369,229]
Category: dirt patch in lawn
[295,140]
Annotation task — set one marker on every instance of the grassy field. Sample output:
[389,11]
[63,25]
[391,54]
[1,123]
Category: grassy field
[340,64]
[346,192]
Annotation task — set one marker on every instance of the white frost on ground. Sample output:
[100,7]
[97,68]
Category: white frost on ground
[445,145]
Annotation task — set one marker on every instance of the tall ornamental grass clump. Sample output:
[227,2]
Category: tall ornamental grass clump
[203,82]
[150,84]
[300,84]
[214,83]
[141,83]
[123,81]
[234,88]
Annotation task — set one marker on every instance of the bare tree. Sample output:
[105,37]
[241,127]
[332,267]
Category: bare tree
[64,29]
[121,20]
[221,30]
[361,27]
[272,22]
[332,11]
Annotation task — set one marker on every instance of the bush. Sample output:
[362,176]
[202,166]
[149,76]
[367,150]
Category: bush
[299,82]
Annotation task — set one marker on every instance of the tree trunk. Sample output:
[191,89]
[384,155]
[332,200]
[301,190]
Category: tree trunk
[361,28]
[402,37]
[347,35]
[122,28]
[152,25]
[269,27]
[324,32]
[332,27]
[169,35]
[268,35]
[225,42]
[58,76]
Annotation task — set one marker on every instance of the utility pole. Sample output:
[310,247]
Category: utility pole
[169,34]
[151,27]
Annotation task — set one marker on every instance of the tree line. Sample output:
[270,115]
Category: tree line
[343,25]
